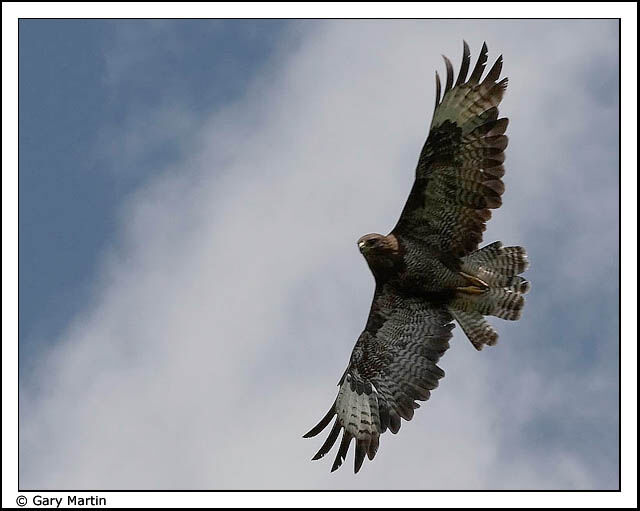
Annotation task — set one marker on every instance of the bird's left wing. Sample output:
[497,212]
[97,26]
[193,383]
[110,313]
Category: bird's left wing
[459,172]
[393,364]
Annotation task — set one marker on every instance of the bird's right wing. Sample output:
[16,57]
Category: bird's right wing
[393,364]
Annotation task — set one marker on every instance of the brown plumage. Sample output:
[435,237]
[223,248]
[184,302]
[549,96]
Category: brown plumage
[429,270]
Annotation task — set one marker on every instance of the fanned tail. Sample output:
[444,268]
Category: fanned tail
[499,267]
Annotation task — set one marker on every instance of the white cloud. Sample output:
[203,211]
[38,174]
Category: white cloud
[228,309]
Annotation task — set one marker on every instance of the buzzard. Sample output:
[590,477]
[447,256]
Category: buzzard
[429,270]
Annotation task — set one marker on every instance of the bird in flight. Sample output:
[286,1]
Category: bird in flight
[429,271]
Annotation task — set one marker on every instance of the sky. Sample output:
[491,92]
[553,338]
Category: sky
[190,196]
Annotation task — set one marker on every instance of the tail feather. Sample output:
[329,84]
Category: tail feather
[496,301]
[512,260]
[506,261]
[476,328]
[500,302]
[519,284]
[499,267]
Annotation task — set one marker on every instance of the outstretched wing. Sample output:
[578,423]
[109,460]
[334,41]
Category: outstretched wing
[458,177]
[392,365]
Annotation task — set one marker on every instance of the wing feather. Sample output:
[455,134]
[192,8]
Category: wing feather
[494,72]
[449,67]
[482,61]
[331,439]
[342,451]
[464,66]
[459,172]
[393,365]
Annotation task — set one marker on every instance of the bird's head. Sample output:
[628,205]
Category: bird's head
[370,243]
[377,249]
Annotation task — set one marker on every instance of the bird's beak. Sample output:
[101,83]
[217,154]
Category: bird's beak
[361,245]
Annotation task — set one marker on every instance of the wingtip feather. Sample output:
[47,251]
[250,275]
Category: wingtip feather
[361,452]
[438,89]
[449,67]
[480,64]
[322,424]
[464,66]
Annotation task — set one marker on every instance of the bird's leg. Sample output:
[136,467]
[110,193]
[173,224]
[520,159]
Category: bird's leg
[477,286]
